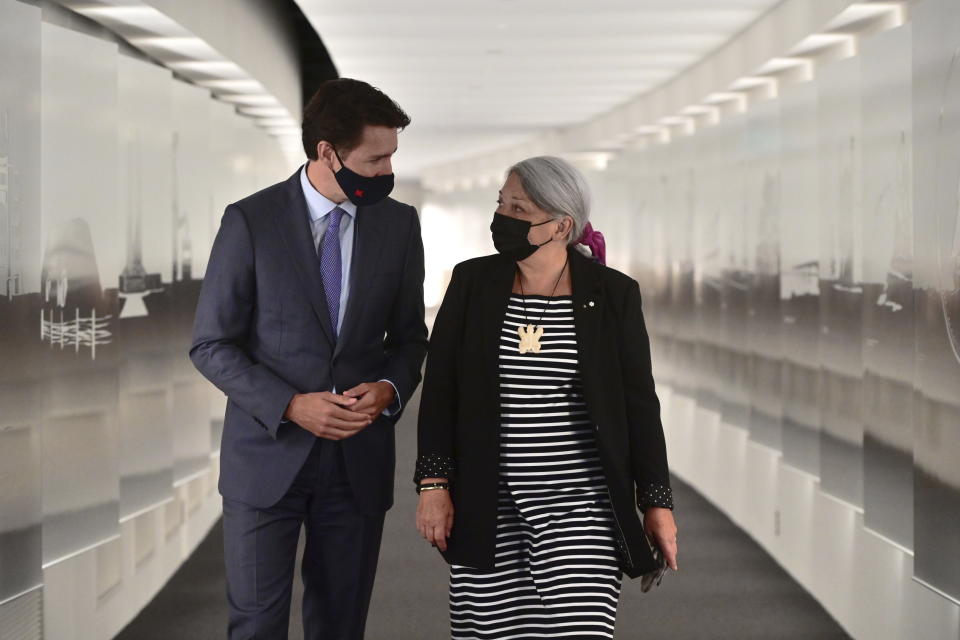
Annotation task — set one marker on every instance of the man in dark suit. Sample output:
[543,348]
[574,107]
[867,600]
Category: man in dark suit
[310,320]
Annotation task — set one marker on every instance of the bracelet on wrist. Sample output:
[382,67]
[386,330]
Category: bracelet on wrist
[430,486]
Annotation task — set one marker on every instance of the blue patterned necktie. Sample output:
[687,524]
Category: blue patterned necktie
[330,266]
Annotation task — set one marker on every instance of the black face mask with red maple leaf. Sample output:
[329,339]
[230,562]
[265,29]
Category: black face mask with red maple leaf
[362,190]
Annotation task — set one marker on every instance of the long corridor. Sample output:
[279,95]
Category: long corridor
[212,212]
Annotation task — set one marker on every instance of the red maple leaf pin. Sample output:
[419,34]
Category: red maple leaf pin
[358,193]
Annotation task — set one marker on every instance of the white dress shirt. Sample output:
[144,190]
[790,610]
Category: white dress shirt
[319,208]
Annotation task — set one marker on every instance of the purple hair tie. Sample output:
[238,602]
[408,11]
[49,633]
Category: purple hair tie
[594,240]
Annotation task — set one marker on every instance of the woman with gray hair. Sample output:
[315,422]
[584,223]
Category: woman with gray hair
[539,431]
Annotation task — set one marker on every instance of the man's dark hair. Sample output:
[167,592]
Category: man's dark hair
[339,111]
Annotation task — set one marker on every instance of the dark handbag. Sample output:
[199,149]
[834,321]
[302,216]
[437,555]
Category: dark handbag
[653,577]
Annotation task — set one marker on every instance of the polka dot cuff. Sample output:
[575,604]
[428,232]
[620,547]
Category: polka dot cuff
[655,495]
[434,465]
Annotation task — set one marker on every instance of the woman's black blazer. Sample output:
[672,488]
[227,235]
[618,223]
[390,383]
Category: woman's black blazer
[460,403]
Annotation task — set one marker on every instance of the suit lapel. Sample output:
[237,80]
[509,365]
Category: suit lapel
[368,241]
[588,305]
[294,225]
[495,294]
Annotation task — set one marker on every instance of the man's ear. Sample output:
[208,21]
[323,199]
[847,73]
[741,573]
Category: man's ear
[326,155]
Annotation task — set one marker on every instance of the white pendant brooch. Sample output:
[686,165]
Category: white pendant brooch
[529,338]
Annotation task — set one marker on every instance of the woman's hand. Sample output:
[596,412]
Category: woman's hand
[662,531]
[435,517]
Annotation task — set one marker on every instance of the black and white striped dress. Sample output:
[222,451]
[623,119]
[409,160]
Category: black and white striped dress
[556,572]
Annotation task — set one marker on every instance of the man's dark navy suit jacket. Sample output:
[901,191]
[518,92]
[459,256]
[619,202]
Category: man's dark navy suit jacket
[262,333]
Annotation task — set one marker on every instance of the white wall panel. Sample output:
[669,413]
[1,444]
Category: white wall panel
[81,264]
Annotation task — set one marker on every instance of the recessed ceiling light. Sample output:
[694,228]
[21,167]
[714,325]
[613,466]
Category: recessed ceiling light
[752,82]
[146,18]
[775,65]
[264,112]
[188,46]
[700,110]
[277,122]
[221,68]
[859,11]
[261,99]
[817,41]
[283,131]
[723,96]
[234,85]
[649,129]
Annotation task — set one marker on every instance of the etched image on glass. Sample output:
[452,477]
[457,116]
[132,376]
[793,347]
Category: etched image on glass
[76,320]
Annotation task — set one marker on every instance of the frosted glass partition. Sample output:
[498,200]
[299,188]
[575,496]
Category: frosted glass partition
[762,231]
[110,195]
[799,277]
[841,290]
[708,273]
[77,319]
[455,227]
[655,257]
[889,343]
[936,176]
[679,207]
[144,327]
[613,212]
[735,271]
[193,207]
[21,351]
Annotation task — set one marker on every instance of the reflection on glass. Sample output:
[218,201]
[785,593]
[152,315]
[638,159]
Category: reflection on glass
[135,282]
[936,472]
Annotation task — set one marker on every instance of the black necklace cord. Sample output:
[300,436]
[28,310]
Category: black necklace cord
[524,298]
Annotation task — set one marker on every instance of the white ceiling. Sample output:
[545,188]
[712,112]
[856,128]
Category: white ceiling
[475,75]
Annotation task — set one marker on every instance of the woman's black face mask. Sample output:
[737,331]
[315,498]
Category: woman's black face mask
[510,236]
